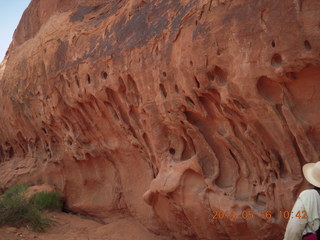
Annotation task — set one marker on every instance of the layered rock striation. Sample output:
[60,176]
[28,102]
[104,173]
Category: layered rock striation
[165,110]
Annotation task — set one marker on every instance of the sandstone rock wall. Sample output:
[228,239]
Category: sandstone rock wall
[165,110]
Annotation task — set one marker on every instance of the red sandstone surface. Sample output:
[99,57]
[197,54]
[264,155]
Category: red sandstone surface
[164,111]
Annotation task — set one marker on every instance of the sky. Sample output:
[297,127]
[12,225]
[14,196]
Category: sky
[10,14]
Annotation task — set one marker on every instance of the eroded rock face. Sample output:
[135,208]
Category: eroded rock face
[165,110]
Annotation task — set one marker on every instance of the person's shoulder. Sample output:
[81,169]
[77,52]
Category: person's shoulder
[308,193]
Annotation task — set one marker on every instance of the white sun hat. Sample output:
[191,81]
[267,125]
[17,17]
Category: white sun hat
[311,172]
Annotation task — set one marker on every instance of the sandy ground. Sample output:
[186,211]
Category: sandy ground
[72,227]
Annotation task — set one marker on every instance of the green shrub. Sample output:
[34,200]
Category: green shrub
[15,190]
[16,210]
[47,200]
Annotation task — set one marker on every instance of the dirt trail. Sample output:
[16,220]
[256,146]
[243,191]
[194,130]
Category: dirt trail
[72,227]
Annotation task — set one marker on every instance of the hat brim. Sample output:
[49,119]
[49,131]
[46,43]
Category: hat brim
[306,169]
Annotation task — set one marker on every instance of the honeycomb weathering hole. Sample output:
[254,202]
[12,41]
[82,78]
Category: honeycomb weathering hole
[190,101]
[269,89]
[77,81]
[197,82]
[261,199]
[218,75]
[291,75]
[276,60]
[307,45]
[88,78]
[172,151]
[10,152]
[176,88]
[104,75]
[163,90]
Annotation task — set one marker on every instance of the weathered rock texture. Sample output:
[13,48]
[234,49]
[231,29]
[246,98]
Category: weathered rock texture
[165,110]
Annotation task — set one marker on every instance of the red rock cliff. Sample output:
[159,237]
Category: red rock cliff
[165,110]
